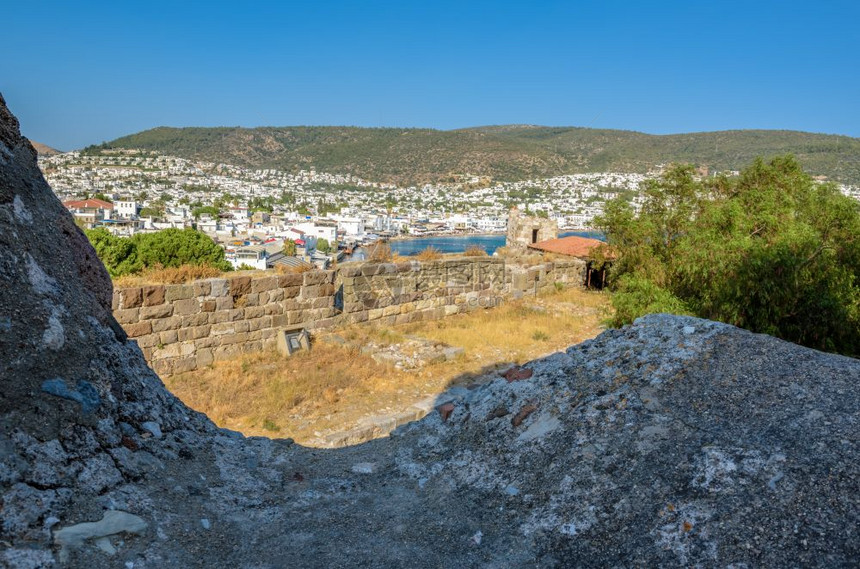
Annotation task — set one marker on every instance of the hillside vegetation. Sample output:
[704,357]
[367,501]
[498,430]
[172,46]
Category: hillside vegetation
[506,153]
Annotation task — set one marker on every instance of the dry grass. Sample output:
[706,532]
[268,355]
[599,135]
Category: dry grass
[288,270]
[474,251]
[331,387]
[380,253]
[263,393]
[431,253]
[519,331]
[169,275]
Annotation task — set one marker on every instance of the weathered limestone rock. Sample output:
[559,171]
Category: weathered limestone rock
[672,442]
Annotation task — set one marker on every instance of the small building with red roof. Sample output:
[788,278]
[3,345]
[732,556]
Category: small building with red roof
[580,248]
[90,211]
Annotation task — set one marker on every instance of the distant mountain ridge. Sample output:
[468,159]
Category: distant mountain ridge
[504,152]
[44,149]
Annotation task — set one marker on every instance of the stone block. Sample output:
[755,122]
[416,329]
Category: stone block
[196,319]
[259,323]
[351,271]
[168,337]
[238,338]
[227,352]
[310,291]
[224,303]
[252,312]
[204,357]
[166,351]
[198,332]
[324,323]
[186,307]
[169,323]
[263,284]
[218,288]
[268,333]
[153,295]
[183,365]
[314,278]
[356,317]
[273,309]
[173,293]
[131,297]
[207,342]
[208,305]
[222,329]
[290,280]
[239,286]
[147,341]
[156,312]
[202,288]
[128,316]
[163,368]
[391,310]
[138,329]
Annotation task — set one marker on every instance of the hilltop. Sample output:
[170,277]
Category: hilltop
[504,153]
[44,149]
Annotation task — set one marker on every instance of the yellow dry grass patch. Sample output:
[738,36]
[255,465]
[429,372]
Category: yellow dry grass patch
[168,275]
[519,331]
[331,387]
[261,393]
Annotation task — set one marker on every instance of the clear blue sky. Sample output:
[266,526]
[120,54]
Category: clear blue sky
[78,73]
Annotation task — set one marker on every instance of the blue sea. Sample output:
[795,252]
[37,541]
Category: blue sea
[459,243]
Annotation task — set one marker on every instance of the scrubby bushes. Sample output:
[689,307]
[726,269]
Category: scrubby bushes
[169,248]
[772,251]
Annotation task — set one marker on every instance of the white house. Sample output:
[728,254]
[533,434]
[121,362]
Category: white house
[325,231]
[125,209]
[254,256]
[351,227]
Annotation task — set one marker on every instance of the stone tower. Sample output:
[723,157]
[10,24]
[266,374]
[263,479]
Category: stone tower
[523,230]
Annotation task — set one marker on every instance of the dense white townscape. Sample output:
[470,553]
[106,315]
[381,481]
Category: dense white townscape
[252,212]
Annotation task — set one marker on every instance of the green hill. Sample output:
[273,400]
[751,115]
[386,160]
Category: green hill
[502,152]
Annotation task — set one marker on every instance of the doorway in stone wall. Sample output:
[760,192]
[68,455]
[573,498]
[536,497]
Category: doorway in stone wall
[595,275]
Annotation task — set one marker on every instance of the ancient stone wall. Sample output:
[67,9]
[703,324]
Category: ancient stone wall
[183,327]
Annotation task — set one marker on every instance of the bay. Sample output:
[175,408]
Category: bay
[459,243]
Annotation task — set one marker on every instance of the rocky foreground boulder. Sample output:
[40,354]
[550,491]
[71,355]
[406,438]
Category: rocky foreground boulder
[673,442]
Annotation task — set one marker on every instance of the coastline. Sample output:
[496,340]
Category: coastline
[465,235]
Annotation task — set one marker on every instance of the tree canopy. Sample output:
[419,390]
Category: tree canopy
[771,250]
[165,248]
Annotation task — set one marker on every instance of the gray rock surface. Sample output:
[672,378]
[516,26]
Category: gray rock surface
[673,442]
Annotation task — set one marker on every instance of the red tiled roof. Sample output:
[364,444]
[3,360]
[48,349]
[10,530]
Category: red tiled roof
[91,203]
[573,246]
